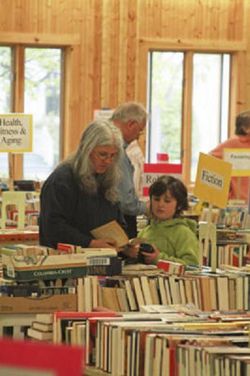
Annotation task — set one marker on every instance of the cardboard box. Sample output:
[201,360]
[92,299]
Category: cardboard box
[34,267]
[46,304]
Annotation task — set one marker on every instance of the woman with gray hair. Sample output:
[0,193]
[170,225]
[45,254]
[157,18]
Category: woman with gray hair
[80,194]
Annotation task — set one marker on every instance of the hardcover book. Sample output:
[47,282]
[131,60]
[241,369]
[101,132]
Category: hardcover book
[113,231]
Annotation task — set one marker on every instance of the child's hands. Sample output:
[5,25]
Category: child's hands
[131,250]
[151,258]
[103,243]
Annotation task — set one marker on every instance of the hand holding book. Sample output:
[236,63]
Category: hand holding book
[111,233]
[143,252]
[103,243]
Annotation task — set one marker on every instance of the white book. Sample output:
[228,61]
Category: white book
[138,292]
[41,336]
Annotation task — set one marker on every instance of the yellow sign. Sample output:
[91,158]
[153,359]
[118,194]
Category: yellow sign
[213,180]
[15,133]
[240,160]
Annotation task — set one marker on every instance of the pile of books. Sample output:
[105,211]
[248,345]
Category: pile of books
[27,263]
[146,344]
[40,279]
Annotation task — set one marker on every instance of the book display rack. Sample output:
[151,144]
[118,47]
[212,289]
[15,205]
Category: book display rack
[138,319]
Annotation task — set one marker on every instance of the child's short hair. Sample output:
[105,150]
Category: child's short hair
[176,188]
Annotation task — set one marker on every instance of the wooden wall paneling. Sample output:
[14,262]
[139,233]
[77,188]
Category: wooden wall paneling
[240,79]
[39,39]
[214,18]
[236,22]
[19,16]
[114,56]
[233,96]
[199,24]
[72,122]
[47,15]
[204,19]
[223,21]
[123,47]
[156,7]
[132,49]
[193,44]
[25,15]
[85,80]
[143,17]
[142,71]
[105,54]
[177,14]
[16,160]
[141,83]
[101,76]
[60,15]
[96,15]
[164,20]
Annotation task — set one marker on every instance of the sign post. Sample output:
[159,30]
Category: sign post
[212,186]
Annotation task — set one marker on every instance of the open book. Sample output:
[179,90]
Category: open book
[111,230]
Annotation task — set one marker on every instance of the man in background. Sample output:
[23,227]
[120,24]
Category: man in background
[131,119]
[239,187]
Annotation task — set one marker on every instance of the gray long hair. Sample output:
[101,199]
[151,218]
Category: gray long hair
[100,132]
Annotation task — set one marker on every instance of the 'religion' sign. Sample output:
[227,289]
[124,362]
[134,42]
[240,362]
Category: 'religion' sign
[154,170]
[15,133]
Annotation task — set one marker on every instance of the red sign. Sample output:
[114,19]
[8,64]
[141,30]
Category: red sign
[153,171]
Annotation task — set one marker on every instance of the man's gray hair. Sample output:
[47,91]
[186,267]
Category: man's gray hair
[130,111]
[100,132]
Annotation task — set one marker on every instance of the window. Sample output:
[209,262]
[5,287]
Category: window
[42,99]
[208,78]
[37,73]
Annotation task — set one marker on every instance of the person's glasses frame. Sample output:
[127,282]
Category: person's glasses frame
[104,156]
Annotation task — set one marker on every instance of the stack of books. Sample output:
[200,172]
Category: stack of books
[42,328]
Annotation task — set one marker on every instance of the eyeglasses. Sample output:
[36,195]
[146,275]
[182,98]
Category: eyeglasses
[103,156]
[140,127]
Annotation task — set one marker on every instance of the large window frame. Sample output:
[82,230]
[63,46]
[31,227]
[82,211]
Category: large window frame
[237,52]
[18,43]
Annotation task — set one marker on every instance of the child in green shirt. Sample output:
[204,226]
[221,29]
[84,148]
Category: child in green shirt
[172,236]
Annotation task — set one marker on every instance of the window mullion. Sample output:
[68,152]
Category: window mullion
[16,160]
[187,116]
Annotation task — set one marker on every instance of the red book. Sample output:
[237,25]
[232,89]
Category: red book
[65,248]
[171,267]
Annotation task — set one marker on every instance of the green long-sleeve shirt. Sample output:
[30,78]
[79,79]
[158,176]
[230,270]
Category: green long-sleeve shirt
[175,238]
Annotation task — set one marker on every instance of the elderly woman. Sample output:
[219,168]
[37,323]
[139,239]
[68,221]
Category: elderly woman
[80,194]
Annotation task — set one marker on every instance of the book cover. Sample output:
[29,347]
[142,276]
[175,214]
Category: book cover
[111,230]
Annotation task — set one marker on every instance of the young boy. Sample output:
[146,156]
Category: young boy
[171,234]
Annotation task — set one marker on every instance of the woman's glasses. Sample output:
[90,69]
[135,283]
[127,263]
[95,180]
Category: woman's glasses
[103,156]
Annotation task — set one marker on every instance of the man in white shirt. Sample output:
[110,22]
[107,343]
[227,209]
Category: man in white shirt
[131,119]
